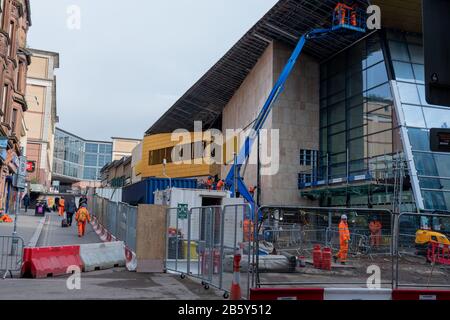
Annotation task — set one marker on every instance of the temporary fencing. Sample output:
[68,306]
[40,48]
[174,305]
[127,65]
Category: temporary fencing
[201,243]
[11,254]
[119,219]
[301,236]
[422,255]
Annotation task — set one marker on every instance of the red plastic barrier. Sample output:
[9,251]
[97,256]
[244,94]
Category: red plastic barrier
[403,294]
[49,261]
[439,253]
[287,294]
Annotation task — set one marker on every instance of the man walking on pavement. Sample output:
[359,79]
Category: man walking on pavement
[344,239]
[26,202]
[82,217]
[71,209]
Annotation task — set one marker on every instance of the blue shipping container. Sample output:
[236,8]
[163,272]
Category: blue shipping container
[143,191]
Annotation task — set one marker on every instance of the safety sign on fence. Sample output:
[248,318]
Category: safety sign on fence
[182,211]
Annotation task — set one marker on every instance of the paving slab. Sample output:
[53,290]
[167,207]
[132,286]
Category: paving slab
[54,235]
[27,224]
[108,284]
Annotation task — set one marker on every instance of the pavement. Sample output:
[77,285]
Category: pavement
[27,224]
[54,235]
[115,284]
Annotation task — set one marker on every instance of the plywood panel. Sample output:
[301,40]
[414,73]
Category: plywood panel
[150,238]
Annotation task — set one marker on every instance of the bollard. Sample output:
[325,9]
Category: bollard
[235,285]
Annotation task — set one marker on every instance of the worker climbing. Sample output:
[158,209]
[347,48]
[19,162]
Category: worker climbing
[344,240]
[82,216]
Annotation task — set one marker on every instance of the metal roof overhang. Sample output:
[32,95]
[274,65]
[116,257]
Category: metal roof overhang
[287,21]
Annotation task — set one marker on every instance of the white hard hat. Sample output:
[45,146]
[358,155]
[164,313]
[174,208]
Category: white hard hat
[344,217]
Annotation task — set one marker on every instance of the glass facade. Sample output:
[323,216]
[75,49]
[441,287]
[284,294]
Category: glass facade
[79,159]
[433,169]
[361,129]
[357,116]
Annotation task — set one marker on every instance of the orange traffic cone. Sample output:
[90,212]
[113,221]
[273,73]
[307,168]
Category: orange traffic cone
[235,285]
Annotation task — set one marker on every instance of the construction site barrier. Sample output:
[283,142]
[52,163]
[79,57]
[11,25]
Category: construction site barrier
[346,294]
[101,256]
[116,219]
[200,243]
[426,249]
[357,294]
[294,232]
[11,251]
[404,294]
[49,261]
[272,294]
[131,259]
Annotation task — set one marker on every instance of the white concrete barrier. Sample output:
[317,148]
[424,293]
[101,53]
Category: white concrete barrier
[357,294]
[101,256]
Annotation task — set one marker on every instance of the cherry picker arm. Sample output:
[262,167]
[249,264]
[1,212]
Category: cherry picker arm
[234,179]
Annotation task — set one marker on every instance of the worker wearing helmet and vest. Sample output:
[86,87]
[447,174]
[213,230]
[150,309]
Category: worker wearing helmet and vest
[344,239]
[82,216]
[220,185]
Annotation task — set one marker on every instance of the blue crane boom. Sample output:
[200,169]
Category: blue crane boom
[341,20]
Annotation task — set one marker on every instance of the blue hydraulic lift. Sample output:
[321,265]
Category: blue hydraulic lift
[345,18]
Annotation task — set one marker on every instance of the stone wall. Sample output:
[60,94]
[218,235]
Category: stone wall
[295,114]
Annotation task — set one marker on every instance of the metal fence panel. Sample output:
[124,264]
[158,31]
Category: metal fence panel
[131,228]
[202,244]
[287,236]
[11,254]
[119,218]
[237,235]
[422,250]
[122,211]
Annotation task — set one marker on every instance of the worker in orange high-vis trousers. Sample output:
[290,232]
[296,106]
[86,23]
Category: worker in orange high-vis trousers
[344,239]
[82,216]
[61,207]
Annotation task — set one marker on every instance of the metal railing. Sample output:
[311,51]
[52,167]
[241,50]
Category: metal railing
[412,265]
[11,254]
[201,244]
[119,218]
[301,228]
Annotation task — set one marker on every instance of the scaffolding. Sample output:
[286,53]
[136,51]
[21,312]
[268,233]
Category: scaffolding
[384,182]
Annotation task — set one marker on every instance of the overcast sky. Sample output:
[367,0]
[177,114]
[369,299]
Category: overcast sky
[131,60]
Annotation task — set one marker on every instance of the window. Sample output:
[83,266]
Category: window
[408,93]
[413,116]
[308,157]
[12,36]
[102,148]
[90,174]
[90,160]
[437,118]
[92,147]
[304,178]
[14,121]
[5,99]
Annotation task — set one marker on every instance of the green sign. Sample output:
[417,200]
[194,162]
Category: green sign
[182,211]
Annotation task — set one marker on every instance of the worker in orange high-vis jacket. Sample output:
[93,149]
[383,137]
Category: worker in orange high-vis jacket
[61,207]
[344,239]
[82,216]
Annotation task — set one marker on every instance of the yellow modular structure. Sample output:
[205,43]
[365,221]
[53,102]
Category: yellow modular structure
[156,148]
